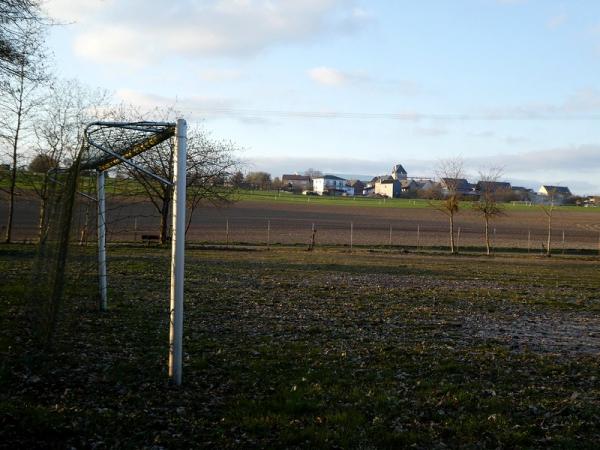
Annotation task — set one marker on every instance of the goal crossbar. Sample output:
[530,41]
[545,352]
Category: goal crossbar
[152,134]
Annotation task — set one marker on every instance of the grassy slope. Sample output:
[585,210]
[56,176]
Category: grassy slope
[326,349]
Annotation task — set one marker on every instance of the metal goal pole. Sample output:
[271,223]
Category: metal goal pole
[102,240]
[178,253]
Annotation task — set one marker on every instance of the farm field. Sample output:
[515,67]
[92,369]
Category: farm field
[288,219]
[325,349]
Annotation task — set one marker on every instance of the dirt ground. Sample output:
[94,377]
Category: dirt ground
[284,223]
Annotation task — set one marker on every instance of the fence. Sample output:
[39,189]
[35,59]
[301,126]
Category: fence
[363,227]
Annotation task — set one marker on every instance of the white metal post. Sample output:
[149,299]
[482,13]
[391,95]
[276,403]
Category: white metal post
[102,241]
[178,253]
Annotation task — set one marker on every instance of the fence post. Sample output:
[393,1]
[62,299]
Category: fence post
[351,235]
[528,241]
[268,234]
[418,236]
[458,240]
[563,242]
[227,232]
[390,236]
[311,246]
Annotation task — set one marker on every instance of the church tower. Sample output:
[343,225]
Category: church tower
[398,172]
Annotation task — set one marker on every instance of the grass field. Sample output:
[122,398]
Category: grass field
[287,348]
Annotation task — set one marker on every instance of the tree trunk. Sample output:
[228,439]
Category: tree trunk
[43,208]
[164,219]
[11,201]
[452,250]
[487,236]
[548,249]
[13,177]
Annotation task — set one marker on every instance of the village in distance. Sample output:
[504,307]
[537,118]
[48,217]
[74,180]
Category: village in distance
[398,184]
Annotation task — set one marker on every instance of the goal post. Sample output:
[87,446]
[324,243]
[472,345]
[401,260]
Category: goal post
[105,155]
[178,253]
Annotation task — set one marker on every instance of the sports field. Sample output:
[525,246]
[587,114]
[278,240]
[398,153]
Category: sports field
[324,349]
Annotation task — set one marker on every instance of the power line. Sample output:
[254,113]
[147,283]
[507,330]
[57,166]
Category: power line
[405,117]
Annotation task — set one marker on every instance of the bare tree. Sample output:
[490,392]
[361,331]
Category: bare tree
[237,179]
[548,210]
[19,19]
[68,108]
[450,173]
[313,173]
[489,205]
[259,180]
[209,164]
[18,102]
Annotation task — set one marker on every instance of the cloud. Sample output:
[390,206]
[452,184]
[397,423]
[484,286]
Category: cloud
[556,21]
[220,75]
[281,165]
[576,166]
[333,77]
[582,101]
[511,2]
[75,11]
[483,134]
[572,159]
[329,76]
[138,32]
[430,132]
[194,108]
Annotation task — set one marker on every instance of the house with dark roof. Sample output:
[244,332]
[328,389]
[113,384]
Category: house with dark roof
[556,194]
[295,182]
[457,185]
[548,190]
[493,186]
[357,185]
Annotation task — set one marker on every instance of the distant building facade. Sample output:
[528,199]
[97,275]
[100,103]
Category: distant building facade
[331,185]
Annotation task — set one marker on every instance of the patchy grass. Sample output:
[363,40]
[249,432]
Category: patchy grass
[287,348]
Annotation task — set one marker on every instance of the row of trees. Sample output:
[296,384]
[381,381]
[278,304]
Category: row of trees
[490,205]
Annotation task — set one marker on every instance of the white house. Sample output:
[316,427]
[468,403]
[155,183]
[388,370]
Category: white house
[331,185]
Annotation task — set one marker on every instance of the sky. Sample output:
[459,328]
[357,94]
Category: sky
[354,87]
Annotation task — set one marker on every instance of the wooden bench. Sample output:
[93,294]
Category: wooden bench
[148,238]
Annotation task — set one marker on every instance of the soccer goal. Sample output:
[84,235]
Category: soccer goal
[107,145]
